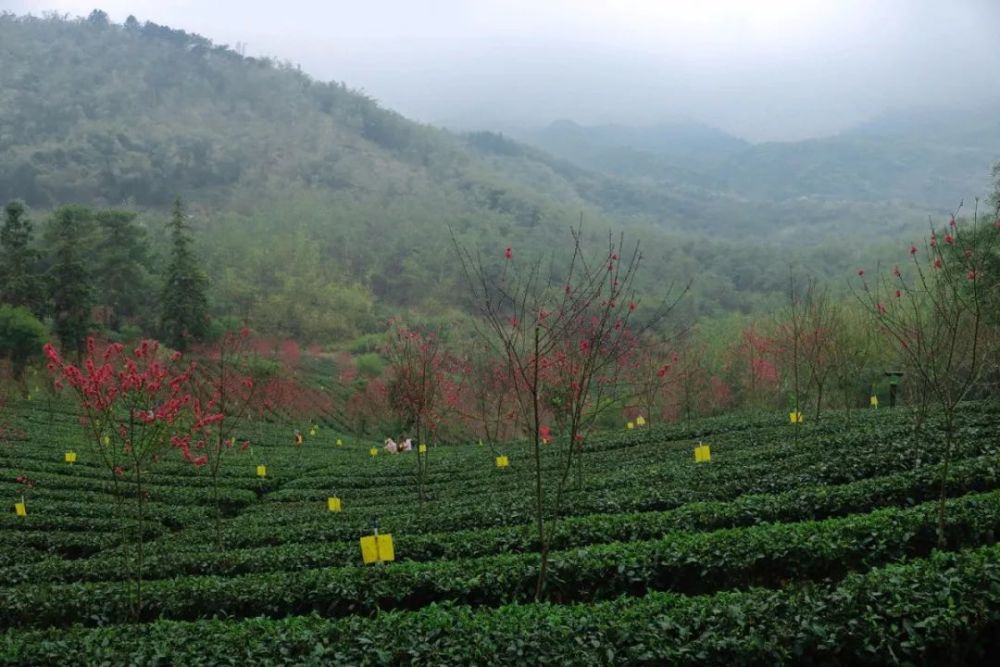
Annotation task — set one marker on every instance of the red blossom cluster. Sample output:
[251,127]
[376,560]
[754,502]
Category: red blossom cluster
[135,397]
[139,381]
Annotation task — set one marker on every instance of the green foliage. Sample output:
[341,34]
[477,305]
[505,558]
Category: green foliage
[122,261]
[70,276]
[346,222]
[370,364]
[184,298]
[789,532]
[367,344]
[698,563]
[20,282]
[21,338]
[922,612]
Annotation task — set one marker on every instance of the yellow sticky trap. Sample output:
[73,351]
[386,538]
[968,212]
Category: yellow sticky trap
[312,432]
[502,461]
[373,451]
[630,425]
[262,471]
[874,401]
[70,457]
[105,440]
[340,443]
[20,509]
[640,421]
[333,504]
[422,449]
[377,549]
[795,417]
[702,454]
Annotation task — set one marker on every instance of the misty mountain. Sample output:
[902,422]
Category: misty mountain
[627,150]
[321,211]
[928,158]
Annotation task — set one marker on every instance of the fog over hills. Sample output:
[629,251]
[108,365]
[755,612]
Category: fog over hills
[762,70]
[272,161]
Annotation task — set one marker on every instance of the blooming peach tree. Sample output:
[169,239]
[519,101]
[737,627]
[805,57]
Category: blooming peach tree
[934,313]
[224,387]
[562,330]
[135,405]
[420,386]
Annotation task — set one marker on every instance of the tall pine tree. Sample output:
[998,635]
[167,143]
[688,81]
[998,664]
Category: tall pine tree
[184,302]
[20,282]
[122,256]
[69,277]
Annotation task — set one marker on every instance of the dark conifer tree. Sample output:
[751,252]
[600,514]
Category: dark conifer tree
[70,278]
[184,301]
[20,282]
[122,255]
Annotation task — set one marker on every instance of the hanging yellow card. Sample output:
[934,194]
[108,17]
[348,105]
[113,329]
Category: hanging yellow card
[502,461]
[262,471]
[373,451]
[874,401]
[20,509]
[377,549]
[105,440]
[422,449]
[70,457]
[795,417]
[340,443]
[640,421]
[630,425]
[702,454]
[369,549]
[333,504]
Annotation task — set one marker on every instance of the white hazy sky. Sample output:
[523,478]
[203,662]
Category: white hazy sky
[762,69]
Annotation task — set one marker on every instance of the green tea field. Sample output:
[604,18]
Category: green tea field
[816,547]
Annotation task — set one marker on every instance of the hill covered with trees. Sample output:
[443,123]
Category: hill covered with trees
[906,160]
[317,213]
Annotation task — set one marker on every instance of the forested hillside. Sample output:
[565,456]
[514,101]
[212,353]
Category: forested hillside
[317,213]
[908,160]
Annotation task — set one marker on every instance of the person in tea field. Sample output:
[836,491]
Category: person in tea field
[406,446]
[391,446]
[298,438]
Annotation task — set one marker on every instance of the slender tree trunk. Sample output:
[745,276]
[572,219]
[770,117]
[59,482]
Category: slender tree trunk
[421,464]
[949,447]
[140,539]
[124,519]
[539,488]
[819,400]
[220,547]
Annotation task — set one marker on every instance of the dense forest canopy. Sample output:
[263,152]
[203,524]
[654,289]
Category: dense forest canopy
[318,214]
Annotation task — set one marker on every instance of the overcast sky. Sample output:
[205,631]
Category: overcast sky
[762,69]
